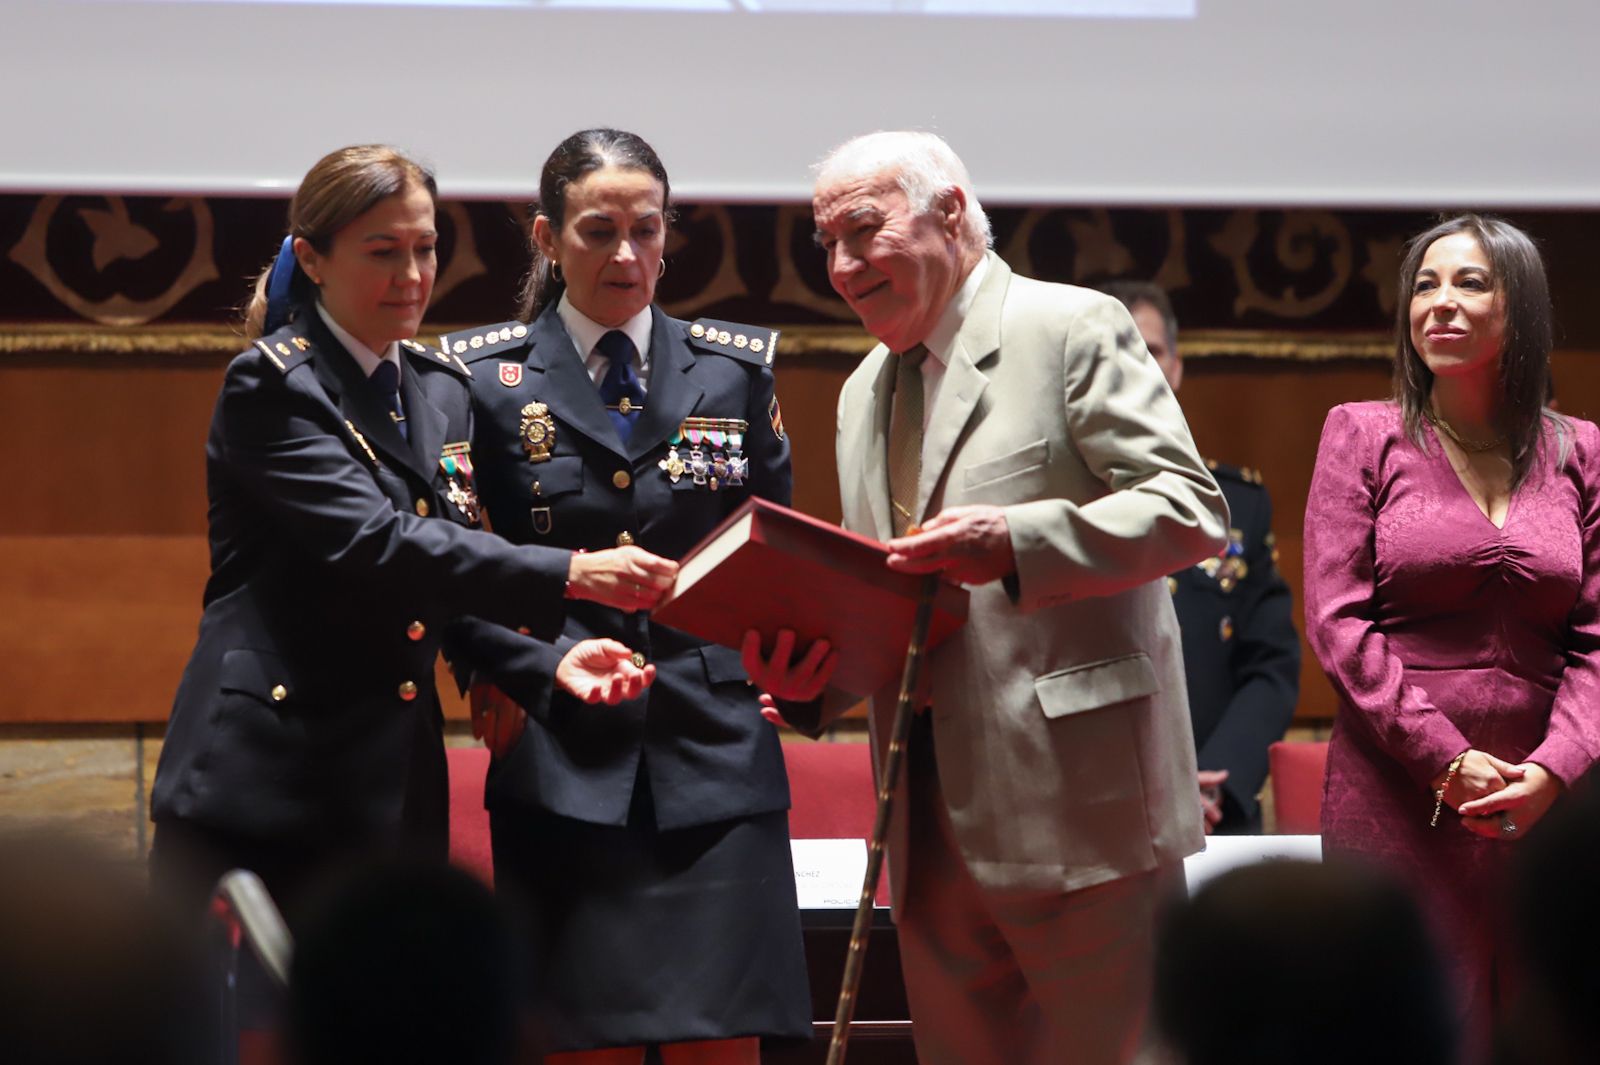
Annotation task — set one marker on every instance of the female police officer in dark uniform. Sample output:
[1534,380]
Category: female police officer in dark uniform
[342,515]
[653,837]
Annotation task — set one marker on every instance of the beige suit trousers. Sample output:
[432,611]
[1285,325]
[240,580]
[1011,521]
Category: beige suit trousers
[1019,977]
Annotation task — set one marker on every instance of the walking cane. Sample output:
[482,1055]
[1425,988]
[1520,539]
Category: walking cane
[910,677]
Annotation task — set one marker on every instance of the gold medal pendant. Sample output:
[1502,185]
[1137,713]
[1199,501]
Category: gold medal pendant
[538,432]
[466,501]
[673,465]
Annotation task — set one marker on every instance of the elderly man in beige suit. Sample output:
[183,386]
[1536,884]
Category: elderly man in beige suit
[1017,436]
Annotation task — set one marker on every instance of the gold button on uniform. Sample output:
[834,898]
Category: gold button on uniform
[422,507]
[624,538]
[621,479]
[416,630]
[279,693]
[408,690]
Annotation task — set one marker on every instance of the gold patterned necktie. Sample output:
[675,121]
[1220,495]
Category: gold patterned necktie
[905,439]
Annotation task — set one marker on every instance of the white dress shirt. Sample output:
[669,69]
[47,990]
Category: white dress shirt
[942,341]
[586,333]
[365,357]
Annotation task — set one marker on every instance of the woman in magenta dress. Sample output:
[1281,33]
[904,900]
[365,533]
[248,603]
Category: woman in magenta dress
[1452,593]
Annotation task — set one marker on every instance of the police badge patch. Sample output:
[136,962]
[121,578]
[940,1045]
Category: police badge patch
[538,431]
[511,374]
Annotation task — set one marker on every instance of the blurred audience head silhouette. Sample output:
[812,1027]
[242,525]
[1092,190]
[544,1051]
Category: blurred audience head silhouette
[91,969]
[1556,892]
[1314,964]
[408,963]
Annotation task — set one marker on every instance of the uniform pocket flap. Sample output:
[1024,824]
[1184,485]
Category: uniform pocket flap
[558,476]
[256,673]
[724,665]
[1097,684]
[1023,459]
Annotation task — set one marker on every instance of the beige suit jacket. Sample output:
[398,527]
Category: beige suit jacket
[1059,712]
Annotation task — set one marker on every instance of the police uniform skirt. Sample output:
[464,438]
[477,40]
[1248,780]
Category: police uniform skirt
[647,936]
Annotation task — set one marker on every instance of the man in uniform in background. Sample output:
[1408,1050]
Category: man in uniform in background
[1241,655]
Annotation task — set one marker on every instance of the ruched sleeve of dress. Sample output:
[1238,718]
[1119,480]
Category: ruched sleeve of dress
[1341,604]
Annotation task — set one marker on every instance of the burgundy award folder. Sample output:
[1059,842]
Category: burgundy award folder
[768,567]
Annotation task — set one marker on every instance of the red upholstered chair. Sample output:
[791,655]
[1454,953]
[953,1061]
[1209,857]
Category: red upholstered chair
[830,787]
[831,793]
[1297,771]
[469,821]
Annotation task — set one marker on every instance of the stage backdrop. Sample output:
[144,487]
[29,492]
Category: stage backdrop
[115,328]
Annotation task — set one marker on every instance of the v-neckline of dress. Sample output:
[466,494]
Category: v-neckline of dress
[1455,475]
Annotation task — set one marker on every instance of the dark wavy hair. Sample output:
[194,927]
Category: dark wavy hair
[574,159]
[1517,270]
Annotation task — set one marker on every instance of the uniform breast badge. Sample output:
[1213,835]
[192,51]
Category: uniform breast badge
[539,514]
[538,432]
[716,453]
[738,463]
[1228,567]
[362,441]
[456,462]
[673,465]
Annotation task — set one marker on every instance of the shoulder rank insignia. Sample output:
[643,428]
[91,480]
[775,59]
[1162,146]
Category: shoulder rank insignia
[745,342]
[432,356]
[471,345]
[1235,473]
[538,431]
[285,349]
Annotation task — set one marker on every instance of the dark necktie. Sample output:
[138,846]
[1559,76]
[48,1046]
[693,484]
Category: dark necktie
[386,379]
[905,439]
[620,390]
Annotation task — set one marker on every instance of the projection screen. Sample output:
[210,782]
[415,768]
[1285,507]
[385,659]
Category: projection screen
[1184,102]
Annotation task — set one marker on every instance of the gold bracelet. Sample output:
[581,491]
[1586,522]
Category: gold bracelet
[1438,795]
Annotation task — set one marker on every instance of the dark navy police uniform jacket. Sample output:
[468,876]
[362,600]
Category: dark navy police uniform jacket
[338,552]
[551,470]
[1241,655]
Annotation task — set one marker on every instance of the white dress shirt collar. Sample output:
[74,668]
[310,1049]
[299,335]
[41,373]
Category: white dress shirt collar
[942,341]
[586,333]
[365,357]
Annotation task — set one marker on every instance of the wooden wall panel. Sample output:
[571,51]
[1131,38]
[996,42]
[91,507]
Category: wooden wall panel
[97,628]
[99,446]
[103,528]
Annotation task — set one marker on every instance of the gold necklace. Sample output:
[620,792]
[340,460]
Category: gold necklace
[1463,442]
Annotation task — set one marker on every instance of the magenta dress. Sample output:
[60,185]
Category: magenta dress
[1441,632]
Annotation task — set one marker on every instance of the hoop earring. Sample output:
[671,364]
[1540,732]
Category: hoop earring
[663,271]
[555,273]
